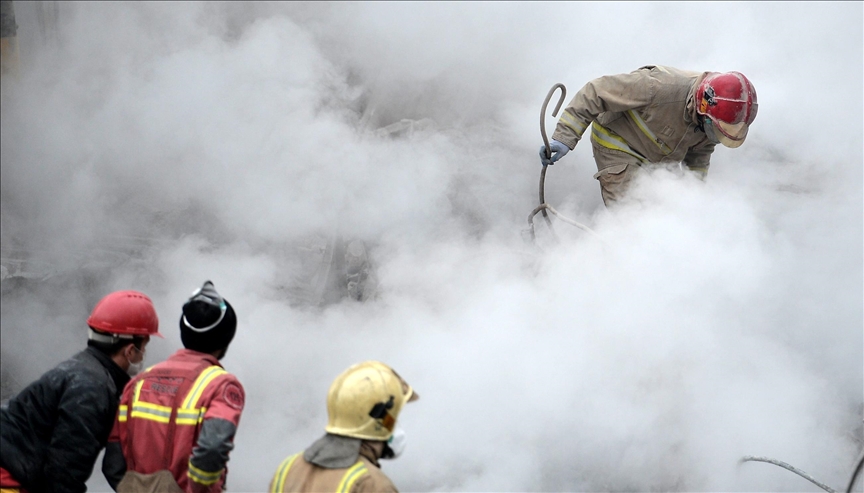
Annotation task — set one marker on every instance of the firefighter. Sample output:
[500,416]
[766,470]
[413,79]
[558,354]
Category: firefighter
[362,406]
[654,115]
[177,420]
[51,433]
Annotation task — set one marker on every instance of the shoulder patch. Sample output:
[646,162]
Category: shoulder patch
[233,395]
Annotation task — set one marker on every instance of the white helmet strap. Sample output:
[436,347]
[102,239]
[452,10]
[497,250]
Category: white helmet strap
[97,336]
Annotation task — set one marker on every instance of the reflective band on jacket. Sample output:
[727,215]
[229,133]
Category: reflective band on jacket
[203,477]
[574,124]
[146,410]
[278,484]
[186,415]
[610,140]
[648,133]
[200,384]
[351,477]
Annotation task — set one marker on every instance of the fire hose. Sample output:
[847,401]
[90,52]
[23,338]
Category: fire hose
[544,207]
[858,467]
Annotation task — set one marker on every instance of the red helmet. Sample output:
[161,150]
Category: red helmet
[729,101]
[127,313]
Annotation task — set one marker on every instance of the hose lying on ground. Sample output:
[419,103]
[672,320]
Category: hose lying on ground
[749,458]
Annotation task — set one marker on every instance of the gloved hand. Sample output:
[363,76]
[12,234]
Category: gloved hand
[557,149]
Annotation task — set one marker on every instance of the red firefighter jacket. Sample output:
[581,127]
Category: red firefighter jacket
[180,415]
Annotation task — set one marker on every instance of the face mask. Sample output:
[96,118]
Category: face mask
[395,445]
[135,368]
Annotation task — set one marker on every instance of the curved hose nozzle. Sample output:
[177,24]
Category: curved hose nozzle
[554,113]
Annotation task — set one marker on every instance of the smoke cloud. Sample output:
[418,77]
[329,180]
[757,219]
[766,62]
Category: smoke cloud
[153,146]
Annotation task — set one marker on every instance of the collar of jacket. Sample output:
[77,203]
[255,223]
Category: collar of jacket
[338,452]
[333,451]
[690,114]
[367,451]
[120,377]
[190,355]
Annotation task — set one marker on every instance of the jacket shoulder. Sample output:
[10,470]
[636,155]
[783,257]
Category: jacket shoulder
[374,481]
[672,85]
[227,378]
[83,371]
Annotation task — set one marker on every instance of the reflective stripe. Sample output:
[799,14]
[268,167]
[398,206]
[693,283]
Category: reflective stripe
[203,477]
[190,416]
[648,133]
[278,483]
[153,412]
[200,384]
[351,476]
[700,172]
[613,141]
[186,415]
[146,410]
[137,394]
[122,412]
[574,124]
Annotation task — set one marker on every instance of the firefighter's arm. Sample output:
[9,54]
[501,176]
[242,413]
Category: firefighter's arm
[610,93]
[77,439]
[698,159]
[216,439]
[113,463]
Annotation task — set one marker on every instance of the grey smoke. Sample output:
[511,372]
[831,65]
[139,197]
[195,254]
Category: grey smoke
[720,319]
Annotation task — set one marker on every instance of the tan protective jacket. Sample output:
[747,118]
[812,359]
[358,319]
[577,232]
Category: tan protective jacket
[295,474]
[648,114]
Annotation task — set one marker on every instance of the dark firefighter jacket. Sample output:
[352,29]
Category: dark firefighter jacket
[51,433]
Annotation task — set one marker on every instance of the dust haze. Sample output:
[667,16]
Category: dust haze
[153,146]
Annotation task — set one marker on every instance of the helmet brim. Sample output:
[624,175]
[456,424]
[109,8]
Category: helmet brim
[731,135]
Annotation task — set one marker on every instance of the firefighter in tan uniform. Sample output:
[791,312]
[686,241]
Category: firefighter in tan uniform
[654,115]
[362,406]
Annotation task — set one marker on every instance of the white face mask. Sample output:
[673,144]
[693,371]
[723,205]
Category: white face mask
[135,368]
[396,444]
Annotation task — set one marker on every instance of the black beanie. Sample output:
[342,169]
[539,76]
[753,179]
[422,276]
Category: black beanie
[208,322]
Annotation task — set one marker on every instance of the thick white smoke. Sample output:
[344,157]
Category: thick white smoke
[713,320]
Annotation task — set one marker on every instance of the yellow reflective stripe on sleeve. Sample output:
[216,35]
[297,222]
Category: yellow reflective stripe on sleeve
[277,485]
[122,413]
[613,141]
[647,131]
[700,172]
[574,124]
[203,477]
[351,476]
[200,384]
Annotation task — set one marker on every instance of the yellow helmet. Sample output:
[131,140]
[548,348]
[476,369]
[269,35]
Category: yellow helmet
[365,400]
